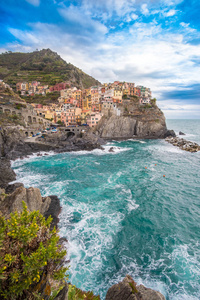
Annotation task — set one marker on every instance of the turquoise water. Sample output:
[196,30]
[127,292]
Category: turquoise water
[122,218]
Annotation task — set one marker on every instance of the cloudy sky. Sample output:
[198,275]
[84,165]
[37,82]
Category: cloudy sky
[155,43]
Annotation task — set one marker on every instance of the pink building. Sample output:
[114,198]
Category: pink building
[94,119]
[58,87]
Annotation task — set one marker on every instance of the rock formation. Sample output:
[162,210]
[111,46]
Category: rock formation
[134,121]
[6,173]
[13,145]
[128,290]
[32,197]
[183,144]
[181,133]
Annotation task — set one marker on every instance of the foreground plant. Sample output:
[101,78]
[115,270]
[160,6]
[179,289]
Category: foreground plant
[30,256]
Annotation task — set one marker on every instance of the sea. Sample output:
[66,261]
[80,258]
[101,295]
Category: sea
[133,211]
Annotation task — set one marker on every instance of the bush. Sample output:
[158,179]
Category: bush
[28,251]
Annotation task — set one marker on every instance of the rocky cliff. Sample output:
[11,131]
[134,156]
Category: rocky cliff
[135,121]
[128,290]
[13,144]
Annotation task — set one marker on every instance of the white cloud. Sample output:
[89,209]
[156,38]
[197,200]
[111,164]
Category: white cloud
[172,110]
[185,25]
[144,9]
[170,13]
[134,16]
[34,2]
[144,53]
[119,7]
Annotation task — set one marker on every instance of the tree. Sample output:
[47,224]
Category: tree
[29,254]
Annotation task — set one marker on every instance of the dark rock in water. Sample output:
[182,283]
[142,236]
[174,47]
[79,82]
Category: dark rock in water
[169,133]
[181,133]
[128,290]
[6,173]
[53,210]
[183,144]
[111,149]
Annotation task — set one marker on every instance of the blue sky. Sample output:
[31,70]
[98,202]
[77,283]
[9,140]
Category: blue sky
[155,43]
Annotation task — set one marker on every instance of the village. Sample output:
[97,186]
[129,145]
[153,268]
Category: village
[83,106]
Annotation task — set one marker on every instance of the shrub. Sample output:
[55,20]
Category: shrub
[29,250]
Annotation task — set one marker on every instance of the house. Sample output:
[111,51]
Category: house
[94,118]
[145,100]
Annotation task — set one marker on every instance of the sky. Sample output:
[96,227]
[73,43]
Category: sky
[154,43]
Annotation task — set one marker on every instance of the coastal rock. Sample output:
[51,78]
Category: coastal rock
[128,290]
[53,210]
[183,144]
[138,123]
[181,133]
[169,133]
[6,173]
[31,196]
[9,139]
[12,187]
[111,149]
[63,142]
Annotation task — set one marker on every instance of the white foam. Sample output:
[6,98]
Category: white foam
[138,141]
[103,151]
[32,157]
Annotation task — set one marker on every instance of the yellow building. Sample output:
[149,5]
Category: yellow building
[118,94]
[49,115]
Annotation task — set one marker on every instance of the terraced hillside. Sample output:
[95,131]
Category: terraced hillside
[45,66]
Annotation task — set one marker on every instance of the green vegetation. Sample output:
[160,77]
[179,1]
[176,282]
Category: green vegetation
[147,106]
[10,119]
[133,287]
[76,294]
[44,66]
[59,122]
[153,101]
[40,99]
[29,255]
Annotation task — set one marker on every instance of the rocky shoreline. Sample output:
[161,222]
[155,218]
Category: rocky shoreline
[183,144]
[12,146]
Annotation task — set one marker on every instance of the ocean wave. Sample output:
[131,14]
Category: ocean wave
[35,156]
[138,141]
[104,151]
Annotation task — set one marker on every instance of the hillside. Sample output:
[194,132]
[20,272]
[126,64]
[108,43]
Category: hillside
[45,66]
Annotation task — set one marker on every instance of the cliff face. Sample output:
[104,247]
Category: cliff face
[134,121]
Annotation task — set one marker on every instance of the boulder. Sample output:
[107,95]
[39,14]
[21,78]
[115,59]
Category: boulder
[12,187]
[111,149]
[53,210]
[6,173]
[183,144]
[169,133]
[31,196]
[128,290]
[181,133]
